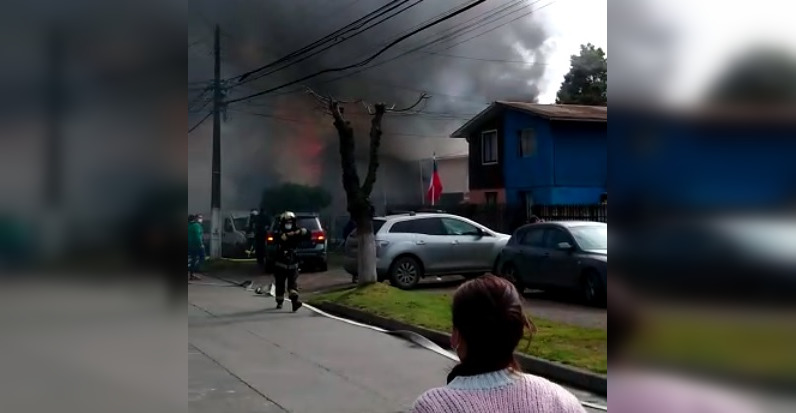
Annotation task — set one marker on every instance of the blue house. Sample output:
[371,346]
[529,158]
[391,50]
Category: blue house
[704,158]
[526,154]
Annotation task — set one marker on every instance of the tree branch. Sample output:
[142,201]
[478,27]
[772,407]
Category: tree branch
[424,96]
[375,142]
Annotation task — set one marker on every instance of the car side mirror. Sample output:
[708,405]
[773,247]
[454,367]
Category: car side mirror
[565,246]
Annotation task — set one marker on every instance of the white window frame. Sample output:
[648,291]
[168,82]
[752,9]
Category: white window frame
[531,135]
[496,148]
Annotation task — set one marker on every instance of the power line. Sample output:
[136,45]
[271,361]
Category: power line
[461,29]
[312,123]
[366,61]
[323,40]
[344,39]
[192,128]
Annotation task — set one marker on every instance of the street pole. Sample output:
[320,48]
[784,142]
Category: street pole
[53,194]
[215,195]
[422,190]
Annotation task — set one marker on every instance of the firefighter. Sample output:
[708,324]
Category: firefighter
[286,266]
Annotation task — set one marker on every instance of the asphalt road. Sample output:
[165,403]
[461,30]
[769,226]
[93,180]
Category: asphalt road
[246,357]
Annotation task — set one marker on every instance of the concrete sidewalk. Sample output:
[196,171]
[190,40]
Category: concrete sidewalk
[247,357]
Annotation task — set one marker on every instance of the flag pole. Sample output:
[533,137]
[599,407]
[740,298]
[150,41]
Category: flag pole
[431,184]
[422,191]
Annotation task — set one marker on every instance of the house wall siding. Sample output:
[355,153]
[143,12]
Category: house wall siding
[569,165]
[479,196]
[486,176]
[682,163]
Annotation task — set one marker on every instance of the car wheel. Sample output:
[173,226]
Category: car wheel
[405,273]
[510,273]
[591,289]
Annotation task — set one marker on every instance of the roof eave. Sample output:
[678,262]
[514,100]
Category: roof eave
[461,132]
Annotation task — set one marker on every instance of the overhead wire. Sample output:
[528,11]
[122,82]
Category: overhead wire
[192,128]
[293,63]
[365,61]
[300,121]
[456,31]
[467,26]
[323,40]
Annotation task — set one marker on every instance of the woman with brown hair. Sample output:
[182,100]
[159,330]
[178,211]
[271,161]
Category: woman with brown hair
[488,323]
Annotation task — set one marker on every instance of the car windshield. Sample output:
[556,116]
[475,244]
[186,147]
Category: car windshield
[591,237]
[310,223]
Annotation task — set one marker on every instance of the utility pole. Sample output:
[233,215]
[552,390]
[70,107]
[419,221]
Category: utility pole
[215,195]
[53,195]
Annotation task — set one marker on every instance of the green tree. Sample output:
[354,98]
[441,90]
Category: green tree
[587,80]
[763,76]
[294,197]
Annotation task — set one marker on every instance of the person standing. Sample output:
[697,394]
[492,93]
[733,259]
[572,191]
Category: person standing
[286,266]
[488,324]
[196,248]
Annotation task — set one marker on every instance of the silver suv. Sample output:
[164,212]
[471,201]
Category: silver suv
[412,246]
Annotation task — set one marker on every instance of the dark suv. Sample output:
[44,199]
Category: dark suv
[311,253]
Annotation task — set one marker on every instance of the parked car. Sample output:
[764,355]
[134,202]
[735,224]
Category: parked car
[740,258]
[234,243]
[415,245]
[312,253]
[559,255]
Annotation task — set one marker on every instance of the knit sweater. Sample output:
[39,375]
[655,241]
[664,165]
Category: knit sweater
[501,391]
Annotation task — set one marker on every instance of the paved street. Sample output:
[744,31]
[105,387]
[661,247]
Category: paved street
[246,357]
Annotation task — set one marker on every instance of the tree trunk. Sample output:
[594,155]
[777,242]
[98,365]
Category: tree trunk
[366,256]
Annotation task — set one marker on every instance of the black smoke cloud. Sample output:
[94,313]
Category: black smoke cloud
[297,142]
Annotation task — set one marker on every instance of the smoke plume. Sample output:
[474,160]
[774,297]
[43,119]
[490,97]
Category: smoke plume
[286,137]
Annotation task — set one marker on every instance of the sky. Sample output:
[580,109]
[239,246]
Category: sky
[686,45]
[571,23]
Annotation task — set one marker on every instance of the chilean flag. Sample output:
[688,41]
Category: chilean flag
[434,191]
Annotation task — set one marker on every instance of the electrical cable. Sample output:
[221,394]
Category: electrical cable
[200,122]
[363,62]
[293,63]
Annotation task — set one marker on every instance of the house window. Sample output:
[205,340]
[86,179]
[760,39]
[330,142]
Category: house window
[527,143]
[489,147]
[491,198]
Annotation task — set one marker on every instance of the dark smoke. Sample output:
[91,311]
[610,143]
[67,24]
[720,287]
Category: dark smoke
[302,146]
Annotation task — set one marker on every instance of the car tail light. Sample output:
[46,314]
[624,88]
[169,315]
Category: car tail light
[269,237]
[319,236]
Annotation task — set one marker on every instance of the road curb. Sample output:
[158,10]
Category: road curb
[572,376]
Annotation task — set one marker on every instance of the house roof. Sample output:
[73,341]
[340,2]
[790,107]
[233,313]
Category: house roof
[568,113]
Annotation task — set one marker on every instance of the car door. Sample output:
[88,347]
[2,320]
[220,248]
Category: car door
[559,267]
[530,253]
[472,252]
[433,245]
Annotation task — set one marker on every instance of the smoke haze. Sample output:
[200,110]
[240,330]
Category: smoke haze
[285,137]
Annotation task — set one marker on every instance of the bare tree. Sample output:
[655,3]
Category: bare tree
[358,191]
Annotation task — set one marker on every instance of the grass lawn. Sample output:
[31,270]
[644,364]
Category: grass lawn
[576,346]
